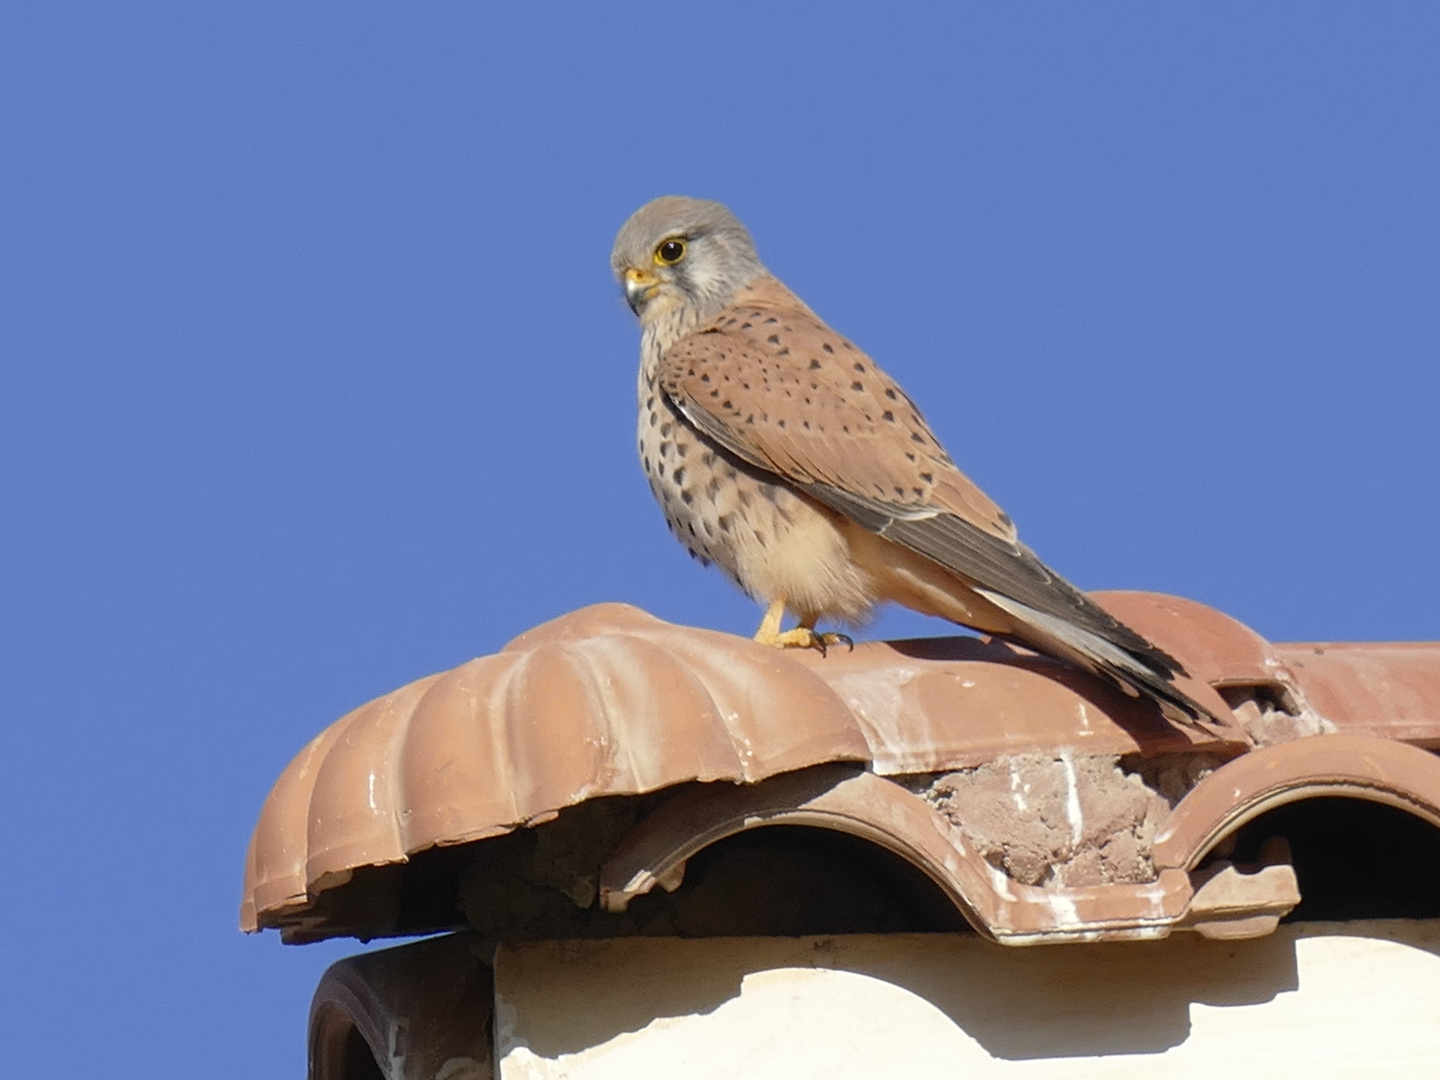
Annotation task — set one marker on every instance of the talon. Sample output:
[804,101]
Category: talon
[802,637]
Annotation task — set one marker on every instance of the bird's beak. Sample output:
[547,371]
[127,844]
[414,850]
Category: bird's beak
[640,286]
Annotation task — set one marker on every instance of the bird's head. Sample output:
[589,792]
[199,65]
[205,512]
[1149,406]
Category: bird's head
[685,254]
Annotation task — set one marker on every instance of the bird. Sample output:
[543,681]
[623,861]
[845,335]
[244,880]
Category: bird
[784,455]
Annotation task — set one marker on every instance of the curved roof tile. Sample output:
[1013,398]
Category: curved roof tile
[611,701]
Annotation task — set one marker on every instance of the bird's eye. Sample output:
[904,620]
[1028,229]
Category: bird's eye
[670,252]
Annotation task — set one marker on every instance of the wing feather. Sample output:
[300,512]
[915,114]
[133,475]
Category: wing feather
[772,384]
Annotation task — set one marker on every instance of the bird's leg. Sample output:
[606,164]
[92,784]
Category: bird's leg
[769,632]
[802,637]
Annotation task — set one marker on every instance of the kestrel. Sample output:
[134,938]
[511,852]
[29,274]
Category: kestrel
[784,455]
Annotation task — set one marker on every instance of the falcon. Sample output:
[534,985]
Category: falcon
[784,455]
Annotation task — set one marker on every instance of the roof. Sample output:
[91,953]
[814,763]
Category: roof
[1044,803]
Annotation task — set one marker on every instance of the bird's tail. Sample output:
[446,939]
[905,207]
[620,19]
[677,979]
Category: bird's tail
[1149,672]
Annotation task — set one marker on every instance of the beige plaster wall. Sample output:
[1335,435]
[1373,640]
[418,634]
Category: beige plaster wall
[1314,1000]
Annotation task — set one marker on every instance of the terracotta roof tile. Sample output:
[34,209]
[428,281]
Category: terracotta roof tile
[609,701]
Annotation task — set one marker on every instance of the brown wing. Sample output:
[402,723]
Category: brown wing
[781,389]
[775,386]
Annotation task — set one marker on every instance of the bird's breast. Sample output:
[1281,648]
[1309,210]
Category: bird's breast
[771,539]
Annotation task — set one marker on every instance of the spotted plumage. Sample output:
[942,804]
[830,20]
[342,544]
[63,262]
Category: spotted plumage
[781,453]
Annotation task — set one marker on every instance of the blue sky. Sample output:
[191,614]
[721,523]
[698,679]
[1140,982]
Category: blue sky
[314,379]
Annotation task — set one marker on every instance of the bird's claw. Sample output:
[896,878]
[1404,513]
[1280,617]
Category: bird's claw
[803,637]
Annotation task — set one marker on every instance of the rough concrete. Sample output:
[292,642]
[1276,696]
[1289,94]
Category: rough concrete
[1171,776]
[1275,713]
[541,883]
[1058,818]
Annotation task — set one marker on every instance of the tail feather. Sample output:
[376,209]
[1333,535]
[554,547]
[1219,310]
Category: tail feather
[1146,673]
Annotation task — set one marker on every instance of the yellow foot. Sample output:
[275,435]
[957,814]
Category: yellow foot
[802,637]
